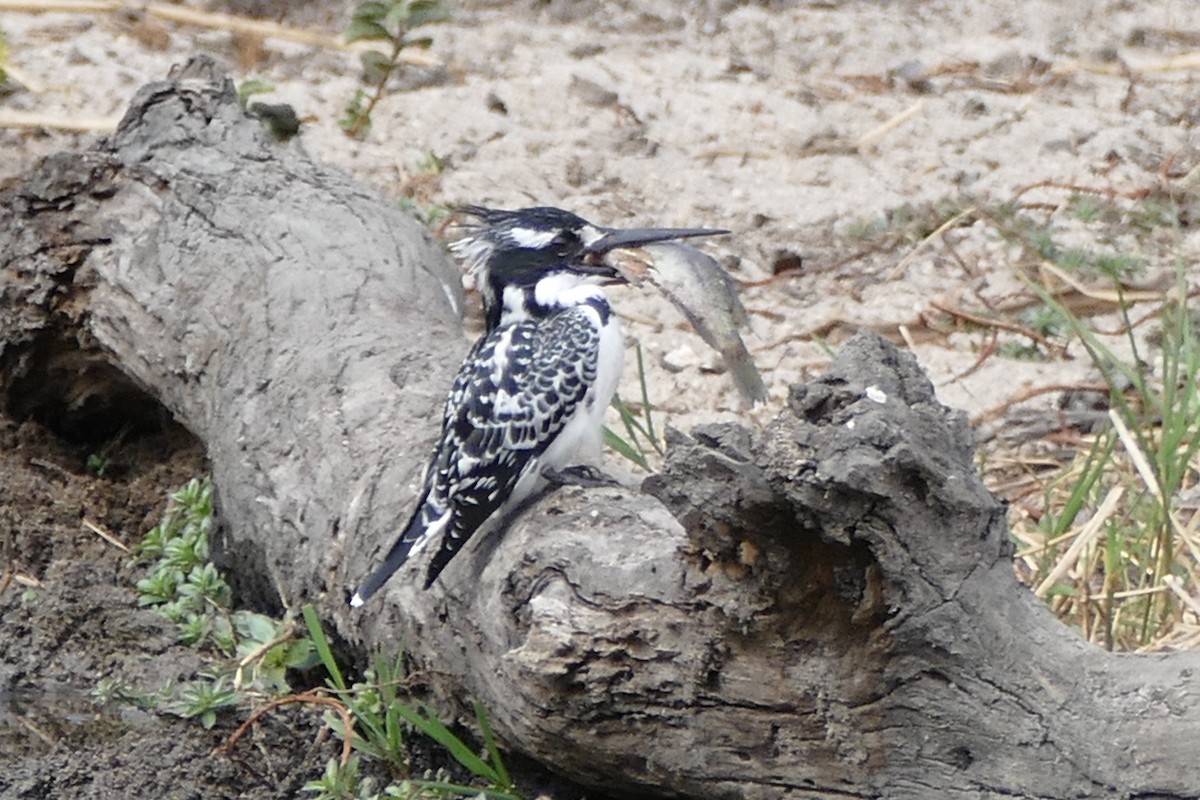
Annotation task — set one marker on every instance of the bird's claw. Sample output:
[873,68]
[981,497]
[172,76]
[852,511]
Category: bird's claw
[583,475]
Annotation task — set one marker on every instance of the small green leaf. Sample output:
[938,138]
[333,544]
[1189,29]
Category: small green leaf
[222,634]
[421,42]
[376,66]
[356,121]
[365,29]
[623,448]
[371,10]
[257,627]
[641,367]
[435,729]
[427,12]
[252,86]
[97,464]
[633,426]
[194,629]
[447,789]
[489,740]
[397,15]
[302,655]
[3,57]
[317,633]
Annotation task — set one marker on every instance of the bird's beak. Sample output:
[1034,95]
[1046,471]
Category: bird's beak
[615,238]
[629,238]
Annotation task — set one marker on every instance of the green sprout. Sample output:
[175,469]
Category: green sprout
[391,23]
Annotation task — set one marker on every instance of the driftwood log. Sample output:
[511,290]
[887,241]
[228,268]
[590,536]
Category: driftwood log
[822,609]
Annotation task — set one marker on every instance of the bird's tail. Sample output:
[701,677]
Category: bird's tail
[419,530]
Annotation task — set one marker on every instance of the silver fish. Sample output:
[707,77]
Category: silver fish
[700,288]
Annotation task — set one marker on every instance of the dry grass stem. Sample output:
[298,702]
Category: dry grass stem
[33,728]
[999,324]
[1179,63]
[310,697]
[10,118]
[1037,547]
[1176,585]
[1145,591]
[1034,391]
[1102,295]
[1146,472]
[1140,463]
[105,535]
[908,258]
[18,75]
[1086,534]
[875,134]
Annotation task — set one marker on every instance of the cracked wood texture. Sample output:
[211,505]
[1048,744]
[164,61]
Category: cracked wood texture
[822,609]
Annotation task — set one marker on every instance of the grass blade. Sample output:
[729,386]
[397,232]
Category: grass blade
[646,400]
[633,425]
[489,739]
[442,788]
[625,449]
[317,633]
[435,729]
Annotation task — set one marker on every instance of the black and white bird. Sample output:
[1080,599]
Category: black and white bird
[530,396]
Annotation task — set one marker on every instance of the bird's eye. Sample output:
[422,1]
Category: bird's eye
[564,240]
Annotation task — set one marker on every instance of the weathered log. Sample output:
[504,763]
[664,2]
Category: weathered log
[825,608]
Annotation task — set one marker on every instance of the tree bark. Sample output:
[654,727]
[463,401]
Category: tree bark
[822,609]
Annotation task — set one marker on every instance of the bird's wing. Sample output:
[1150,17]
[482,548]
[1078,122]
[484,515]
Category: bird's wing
[514,393]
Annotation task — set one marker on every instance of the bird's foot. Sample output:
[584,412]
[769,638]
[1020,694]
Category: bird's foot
[583,475]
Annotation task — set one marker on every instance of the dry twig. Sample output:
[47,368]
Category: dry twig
[311,697]
[1086,534]
[996,411]
[105,535]
[74,123]
[1011,327]
[875,134]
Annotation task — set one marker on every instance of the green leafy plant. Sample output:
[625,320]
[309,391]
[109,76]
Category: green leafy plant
[1085,207]
[109,690]
[182,584]
[254,653]
[338,781]
[202,699]
[391,23]
[1134,548]
[906,224]
[1096,219]
[97,464]
[268,649]
[379,716]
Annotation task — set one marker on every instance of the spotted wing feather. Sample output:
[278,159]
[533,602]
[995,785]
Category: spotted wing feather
[513,395]
[515,392]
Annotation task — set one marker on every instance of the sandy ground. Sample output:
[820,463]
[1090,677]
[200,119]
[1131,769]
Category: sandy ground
[864,154]
[790,124]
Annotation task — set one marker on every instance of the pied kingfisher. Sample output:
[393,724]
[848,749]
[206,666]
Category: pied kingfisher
[531,394]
